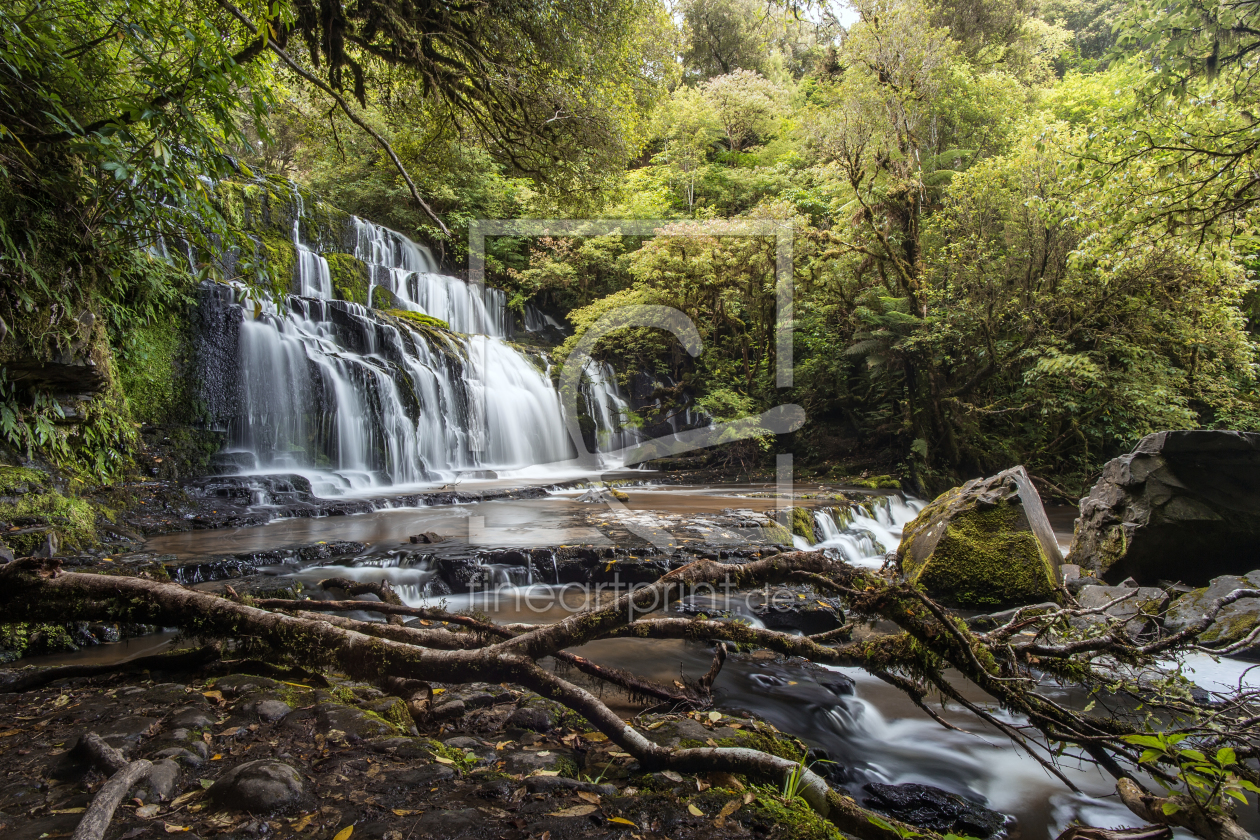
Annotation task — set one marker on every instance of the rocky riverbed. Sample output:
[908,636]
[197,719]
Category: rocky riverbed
[243,755]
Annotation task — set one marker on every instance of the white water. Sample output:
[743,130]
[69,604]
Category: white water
[864,534]
[327,390]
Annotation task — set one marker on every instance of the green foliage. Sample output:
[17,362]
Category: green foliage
[1203,779]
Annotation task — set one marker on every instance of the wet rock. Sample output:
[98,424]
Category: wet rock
[181,755]
[932,808]
[163,778]
[424,776]
[236,685]
[528,762]
[427,538]
[1141,609]
[1232,623]
[126,731]
[6,554]
[259,787]
[266,709]
[985,544]
[192,719]
[354,723]
[448,825]
[462,574]
[810,616]
[549,784]
[1183,505]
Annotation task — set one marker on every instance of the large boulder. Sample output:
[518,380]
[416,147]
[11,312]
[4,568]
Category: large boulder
[987,545]
[1182,506]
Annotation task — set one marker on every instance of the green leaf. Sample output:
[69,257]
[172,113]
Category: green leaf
[1170,808]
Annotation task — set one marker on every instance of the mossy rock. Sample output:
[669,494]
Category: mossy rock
[350,278]
[802,523]
[985,545]
[73,520]
[18,481]
[776,534]
[418,319]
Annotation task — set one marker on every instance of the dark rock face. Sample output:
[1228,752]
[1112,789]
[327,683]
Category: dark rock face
[935,809]
[987,544]
[810,616]
[1182,506]
[259,787]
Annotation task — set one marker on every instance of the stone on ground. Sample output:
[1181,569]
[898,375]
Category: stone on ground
[259,787]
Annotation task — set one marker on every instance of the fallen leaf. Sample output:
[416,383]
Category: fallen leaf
[61,701]
[148,812]
[502,744]
[596,736]
[824,604]
[714,717]
[544,753]
[216,696]
[68,811]
[657,725]
[442,760]
[749,797]
[672,776]
[6,733]
[727,809]
[575,811]
[345,833]
[228,733]
[694,811]
[406,812]
[176,829]
[592,798]
[622,821]
[726,780]
[545,773]
[710,742]
[187,797]
[300,823]
[438,690]
[425,622]
[217,757]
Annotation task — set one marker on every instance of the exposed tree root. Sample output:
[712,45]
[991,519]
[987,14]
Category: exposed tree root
[179,660]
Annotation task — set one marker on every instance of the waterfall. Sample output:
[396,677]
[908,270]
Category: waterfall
[863,533]
[352,400]
[607,408]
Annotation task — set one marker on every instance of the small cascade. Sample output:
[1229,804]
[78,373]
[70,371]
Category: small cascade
[409,272]
[607,408]
[314,279]
[863,533]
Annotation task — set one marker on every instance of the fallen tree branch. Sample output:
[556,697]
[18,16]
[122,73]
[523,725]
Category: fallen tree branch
[124,775]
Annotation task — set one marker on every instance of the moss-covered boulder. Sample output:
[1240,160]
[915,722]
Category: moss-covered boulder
[1233,622]
[985,545]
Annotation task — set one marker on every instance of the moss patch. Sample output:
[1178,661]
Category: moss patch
[74,520]
[803,523]
[417,318]
[987,559]
[350,277]
[20,481]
